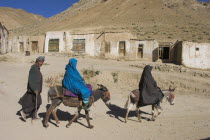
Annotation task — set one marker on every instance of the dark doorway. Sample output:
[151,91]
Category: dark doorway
[21,45]
[79,45]
[34,46]
[164,52]
[140,51]
[53,45]
[122,48]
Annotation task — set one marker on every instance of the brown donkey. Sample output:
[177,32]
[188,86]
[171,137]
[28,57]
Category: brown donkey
[133,99]
[57,97]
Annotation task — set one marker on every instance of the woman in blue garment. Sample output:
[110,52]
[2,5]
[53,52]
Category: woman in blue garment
[73,81]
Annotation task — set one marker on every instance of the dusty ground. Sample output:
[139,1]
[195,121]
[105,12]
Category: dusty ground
[188,119]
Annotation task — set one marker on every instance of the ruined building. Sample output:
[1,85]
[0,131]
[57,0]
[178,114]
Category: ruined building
[4,35]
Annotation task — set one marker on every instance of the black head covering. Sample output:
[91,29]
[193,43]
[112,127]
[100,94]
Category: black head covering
[146,77]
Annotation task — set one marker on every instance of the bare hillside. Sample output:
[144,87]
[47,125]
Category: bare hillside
[15,18]
[150,19]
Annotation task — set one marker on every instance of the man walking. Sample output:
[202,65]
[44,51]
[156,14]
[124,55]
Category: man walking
[32,100]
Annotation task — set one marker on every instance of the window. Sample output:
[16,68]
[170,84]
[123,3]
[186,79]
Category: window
[140,50]
[79,45]
[197,53]
[197,49]
[53,45]
[122,48]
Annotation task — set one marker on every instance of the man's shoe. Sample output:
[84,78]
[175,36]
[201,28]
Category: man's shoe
[23,115]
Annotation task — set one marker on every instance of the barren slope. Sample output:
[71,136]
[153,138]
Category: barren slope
[150,19]
[14,18]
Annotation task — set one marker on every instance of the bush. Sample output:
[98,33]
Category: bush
[4,58]
[54,80]
[88,73]
[115,77]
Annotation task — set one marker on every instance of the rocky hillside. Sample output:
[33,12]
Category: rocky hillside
[147,19]
[15,18]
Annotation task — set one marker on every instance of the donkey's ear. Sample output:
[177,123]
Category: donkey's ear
[174,88]
[102,85]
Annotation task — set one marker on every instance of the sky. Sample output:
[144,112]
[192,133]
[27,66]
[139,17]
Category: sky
[46,8]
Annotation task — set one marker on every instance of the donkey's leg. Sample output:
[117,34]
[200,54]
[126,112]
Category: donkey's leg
[159,112]
[137,112]
[128,110]
[55,116]
[54,104]
[153,113]
[88,119]
[75,117]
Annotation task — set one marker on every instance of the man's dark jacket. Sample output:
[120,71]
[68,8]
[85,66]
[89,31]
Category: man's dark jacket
[34,84]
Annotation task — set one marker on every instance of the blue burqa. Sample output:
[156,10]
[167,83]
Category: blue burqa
[73,81]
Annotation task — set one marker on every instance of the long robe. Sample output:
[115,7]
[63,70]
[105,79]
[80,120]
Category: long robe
[149,92]
[28,101]
[73,81]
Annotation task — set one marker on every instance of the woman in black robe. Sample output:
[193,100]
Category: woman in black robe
[150,93]
[32,100]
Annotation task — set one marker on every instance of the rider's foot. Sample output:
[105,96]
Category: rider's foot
[158,107]
[23,115]
[85,107]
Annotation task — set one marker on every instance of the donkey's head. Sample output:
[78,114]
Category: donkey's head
[171,96]
[105,94]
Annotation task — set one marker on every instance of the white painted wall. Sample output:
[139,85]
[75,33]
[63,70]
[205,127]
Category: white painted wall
[55,35]
[89,42]
[196,59]
[66,42]
[149,47]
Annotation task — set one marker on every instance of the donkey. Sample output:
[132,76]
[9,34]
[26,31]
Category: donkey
[133,99]
[57,97]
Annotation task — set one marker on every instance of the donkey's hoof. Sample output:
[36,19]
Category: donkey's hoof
[46,125]
[91,127]
[152,119]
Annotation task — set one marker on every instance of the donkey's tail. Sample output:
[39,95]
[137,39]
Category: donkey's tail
[127,102]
